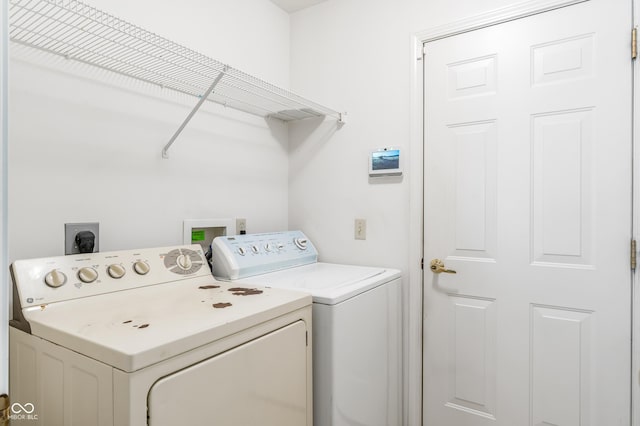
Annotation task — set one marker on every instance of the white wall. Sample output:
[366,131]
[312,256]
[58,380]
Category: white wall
[85,144]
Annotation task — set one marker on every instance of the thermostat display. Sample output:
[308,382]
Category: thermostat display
[385,162]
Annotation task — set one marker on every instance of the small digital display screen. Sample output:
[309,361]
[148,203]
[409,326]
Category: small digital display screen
[385,160]
[198,235]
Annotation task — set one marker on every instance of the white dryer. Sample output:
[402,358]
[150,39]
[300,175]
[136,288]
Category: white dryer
[357,322]
[149,337]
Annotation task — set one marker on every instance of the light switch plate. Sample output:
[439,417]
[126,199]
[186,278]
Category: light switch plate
[360,229]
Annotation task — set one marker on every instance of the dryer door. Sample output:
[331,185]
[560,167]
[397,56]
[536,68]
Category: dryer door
[263,382]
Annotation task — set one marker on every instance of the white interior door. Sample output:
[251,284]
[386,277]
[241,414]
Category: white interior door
[528,197]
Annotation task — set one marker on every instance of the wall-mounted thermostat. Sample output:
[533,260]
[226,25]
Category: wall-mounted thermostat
[385,162]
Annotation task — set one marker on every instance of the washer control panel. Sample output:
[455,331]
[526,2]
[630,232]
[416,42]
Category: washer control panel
[54,279]
[242,256]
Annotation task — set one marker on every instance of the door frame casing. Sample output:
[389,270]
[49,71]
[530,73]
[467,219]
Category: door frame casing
[414,358]
[635,312]
[4,203]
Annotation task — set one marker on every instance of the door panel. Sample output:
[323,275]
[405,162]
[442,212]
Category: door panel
[561,365]
[472,383]
[528,198]
[475,189]
[562,198]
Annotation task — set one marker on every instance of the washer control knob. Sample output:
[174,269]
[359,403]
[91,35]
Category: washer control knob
[184,262]
[55,279]
[268,247]
[301,243]
[116,270]
[141,267]
[87,275]
[242,251]
[255,249]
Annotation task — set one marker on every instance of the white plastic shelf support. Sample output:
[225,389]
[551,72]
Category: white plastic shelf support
[77,31]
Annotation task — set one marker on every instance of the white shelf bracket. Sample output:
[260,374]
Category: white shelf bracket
[195,109]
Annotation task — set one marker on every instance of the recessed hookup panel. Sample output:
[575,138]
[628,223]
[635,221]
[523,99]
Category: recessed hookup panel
[203,231]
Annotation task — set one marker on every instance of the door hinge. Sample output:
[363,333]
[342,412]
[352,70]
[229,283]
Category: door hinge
[634,260]
[634,43]
[4,409]
[422,263]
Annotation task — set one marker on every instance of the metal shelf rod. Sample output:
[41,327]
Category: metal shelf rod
[192,113]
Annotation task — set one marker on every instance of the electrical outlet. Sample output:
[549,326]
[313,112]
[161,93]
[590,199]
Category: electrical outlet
[241,226]
[72,229]
[360,231]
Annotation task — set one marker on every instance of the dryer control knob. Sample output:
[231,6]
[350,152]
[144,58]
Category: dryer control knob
[301,243]
[87,275]
[184,262]
[116,270]
[242,251]
[141,267]
[55,279]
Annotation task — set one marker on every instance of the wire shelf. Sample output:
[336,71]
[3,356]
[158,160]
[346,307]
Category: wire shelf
[83,33]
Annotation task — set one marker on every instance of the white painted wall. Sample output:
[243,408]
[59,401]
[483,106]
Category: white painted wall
[85,144]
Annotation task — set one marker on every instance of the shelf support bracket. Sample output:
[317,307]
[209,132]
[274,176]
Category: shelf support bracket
[193,111]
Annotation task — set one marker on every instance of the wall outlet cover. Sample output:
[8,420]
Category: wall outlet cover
[72,229]
[241,226]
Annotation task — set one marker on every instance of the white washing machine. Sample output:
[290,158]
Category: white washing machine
[149,337]
[357,322]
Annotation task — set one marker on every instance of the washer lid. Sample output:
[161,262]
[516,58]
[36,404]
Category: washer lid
[135,328]
[328,283]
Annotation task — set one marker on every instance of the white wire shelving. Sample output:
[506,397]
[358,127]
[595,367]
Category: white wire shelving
[83,33]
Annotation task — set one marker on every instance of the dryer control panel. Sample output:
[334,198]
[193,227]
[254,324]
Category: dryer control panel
[38,282]
[242,256]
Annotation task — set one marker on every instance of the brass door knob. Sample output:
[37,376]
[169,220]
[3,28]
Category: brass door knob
[437,267]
